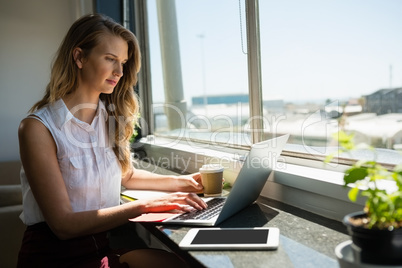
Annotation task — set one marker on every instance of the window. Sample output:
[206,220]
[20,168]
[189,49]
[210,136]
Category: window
[330,65]
[325,66]
[199,69]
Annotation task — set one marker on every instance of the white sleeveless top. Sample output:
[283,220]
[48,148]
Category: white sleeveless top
[90,168]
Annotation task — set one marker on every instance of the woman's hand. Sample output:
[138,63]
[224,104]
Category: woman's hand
[175,201]
[189,183]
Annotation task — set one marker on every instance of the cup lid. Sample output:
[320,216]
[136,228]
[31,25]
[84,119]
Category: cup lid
[210,168]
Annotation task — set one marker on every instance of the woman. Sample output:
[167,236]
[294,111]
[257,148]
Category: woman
[75,153]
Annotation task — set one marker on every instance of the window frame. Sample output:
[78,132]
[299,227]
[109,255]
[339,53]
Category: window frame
[304,183]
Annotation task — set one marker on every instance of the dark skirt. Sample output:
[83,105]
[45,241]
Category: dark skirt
[41,248]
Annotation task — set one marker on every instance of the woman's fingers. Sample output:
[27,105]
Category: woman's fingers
[197,203]
[180,201]
[191,199]
[189,183]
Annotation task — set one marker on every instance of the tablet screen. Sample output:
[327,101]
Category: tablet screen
[230,237]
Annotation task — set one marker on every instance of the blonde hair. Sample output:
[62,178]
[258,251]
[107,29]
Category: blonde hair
[122,105]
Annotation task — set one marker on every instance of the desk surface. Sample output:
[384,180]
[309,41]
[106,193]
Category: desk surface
[306,240]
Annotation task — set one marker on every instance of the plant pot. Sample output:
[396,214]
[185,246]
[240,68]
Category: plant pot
[373,245]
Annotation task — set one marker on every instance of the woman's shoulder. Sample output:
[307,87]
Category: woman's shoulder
[39,118]
[33,135]
[31,125]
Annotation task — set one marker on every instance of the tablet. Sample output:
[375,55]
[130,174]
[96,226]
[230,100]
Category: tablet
[262,238]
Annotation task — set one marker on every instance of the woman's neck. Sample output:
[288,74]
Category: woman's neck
[82,107]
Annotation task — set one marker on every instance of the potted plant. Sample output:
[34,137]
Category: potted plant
[376,231]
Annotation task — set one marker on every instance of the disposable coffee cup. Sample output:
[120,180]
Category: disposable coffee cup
[212,179]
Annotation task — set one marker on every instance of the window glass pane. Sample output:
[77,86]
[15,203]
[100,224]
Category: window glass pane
[329,65]
[326,65]
[199,69]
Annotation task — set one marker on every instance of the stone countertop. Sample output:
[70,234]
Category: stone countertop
[306,240]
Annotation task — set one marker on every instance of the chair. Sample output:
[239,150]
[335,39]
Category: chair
[11,227]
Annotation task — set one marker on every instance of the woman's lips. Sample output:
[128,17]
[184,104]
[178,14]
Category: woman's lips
[112,82]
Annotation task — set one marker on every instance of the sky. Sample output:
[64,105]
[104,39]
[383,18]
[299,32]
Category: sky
[310,49]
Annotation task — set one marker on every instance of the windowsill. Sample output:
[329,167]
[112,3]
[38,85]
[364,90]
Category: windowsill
[313,189]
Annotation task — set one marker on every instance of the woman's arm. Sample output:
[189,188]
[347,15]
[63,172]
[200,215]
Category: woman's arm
[39,159]
[145,180]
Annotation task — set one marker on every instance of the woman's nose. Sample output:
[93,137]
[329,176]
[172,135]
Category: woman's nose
[118,71]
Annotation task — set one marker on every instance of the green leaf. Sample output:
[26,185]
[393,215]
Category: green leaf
[346,140]
[353,193]
[331,156]
[342,136]
[355,174]
[328,158]
[397,176]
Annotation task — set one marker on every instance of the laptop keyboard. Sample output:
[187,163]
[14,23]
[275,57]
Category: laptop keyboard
[214,207]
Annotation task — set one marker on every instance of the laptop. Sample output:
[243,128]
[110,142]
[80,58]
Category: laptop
[252,177]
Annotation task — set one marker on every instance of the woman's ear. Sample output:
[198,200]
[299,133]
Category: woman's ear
[78,57]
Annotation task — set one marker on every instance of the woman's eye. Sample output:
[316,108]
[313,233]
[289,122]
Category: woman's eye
[111,59]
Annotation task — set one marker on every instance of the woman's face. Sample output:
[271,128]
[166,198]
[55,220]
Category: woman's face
[102,69]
